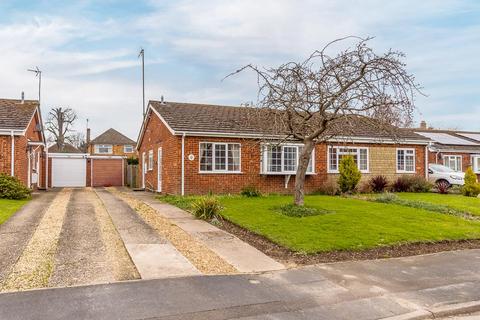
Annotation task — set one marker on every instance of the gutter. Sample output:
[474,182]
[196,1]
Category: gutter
[183,164]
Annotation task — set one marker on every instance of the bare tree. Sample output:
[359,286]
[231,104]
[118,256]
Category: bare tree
[329,96]
[59,124]
[78,140]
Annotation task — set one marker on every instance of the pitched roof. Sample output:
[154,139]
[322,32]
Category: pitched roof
[112,136]
[207,118]
[15,115]
[452,139]
[67,148]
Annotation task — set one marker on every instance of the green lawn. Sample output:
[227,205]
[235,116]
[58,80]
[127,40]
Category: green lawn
[455,201]
[352,224]
[9,207]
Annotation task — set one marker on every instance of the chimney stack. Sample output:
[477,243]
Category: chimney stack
[88,136]
[23,97]
[423,125]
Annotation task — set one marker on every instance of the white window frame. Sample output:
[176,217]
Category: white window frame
[125,148]
[214,171]
[404,160]
[446,159]
[264,159]
[330,170]
[476,163]
[108,146]
[150,160]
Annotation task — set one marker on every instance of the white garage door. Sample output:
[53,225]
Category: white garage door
[69,172]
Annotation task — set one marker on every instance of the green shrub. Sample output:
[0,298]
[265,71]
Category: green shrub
[292,210]
[378,183]
[206,208]
[349,175]
[329,188]
[132,161]
[387,198]
[419,184]
[12,188]
[471,188]
[412,183]
[250,191]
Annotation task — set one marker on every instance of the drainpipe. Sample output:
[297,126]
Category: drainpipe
[12,165]
[46,167]
[183,164]
[426,162]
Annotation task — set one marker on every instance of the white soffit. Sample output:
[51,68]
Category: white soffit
[448,139]
[474,136]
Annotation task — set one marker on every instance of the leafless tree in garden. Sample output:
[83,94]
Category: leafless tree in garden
[327,96]
[59,124]
[78,140]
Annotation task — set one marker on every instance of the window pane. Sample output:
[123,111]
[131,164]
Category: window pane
[206,157]
[220,157]
[410,162]
[233,157]
[274,159]
[333,159]
[459,164]
[289,158]
[363,164]
[400,160]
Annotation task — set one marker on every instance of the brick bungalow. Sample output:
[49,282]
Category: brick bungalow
[189,148]
[455,149]
[22,142]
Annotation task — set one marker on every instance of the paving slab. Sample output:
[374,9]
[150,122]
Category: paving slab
[16,232]
[241,255]
[153,255]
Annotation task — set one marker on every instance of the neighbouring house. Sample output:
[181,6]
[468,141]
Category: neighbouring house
[187,148]
[103,165]
[455,149]
[111,142]
[22,142]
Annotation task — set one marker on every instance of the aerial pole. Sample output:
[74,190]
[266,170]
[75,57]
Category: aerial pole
[142,54]
[38,73]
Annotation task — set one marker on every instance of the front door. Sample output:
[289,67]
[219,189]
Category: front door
[159,170]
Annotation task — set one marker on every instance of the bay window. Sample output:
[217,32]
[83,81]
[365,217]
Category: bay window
[336,154]
[219,157]
[405,160]
[453,162]
[283,159]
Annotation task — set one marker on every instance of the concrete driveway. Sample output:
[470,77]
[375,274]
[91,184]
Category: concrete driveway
[422,287]
[71,237]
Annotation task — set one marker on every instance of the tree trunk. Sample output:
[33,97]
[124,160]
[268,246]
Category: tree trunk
[303,160]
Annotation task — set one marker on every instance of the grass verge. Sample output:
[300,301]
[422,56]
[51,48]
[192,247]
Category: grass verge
[9,207]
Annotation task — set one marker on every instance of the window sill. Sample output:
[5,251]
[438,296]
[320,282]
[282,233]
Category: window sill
[337,172]
[220,172]
[285,173]
[406,172]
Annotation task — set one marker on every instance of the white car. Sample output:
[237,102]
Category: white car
[438,173]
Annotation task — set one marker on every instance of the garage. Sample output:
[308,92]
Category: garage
[106,172]
[68,171]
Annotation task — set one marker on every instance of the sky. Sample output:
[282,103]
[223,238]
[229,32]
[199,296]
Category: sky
[88,51]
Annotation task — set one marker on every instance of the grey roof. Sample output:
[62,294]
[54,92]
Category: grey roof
[112,136]
[207,118]
[16,115]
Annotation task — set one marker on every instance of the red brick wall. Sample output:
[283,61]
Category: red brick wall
[157,135]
